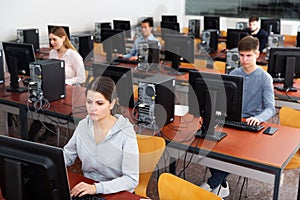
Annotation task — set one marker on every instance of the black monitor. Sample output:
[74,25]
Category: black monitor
[270,25]
[18,56]
[215,98]
[113,41]
[148,55]
[123,25]
[211,22]
[122,76]
[284,66]
[234,36]
[31,170]
[179,48]
[169,28]
[169,18]
[66,28]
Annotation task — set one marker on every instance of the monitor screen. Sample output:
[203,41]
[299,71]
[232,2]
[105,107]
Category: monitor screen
[211,22]
[18,56]
[67,30]
[122,76]
[113,42]
[234,36]
[270,25]
[169,28]
[31,170]
[284,65]
[179,48]
[169,18]
[123,25]
[215,97]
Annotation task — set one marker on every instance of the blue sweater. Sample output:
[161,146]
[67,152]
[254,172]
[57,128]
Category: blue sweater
[258,94]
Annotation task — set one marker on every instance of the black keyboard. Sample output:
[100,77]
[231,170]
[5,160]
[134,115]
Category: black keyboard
[126,60]
[278,80]
[88,197]
[287,98]
[243,126]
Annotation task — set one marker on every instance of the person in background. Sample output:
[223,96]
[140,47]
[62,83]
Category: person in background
[147,27]
[105,142]
[258,102]
[257,32]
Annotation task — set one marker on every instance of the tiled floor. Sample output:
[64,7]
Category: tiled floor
[195,173]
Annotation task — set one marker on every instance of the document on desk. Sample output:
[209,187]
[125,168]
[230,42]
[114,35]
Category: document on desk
[181,110]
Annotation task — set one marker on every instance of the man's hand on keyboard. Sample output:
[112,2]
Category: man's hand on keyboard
[133,58]
[252,121]
[82,189]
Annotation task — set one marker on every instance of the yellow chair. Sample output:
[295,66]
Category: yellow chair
[220,66]
[171,187]
[151,149]
[200,64]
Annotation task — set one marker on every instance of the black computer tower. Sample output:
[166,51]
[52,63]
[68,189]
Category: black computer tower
[30,36]
[98,27]
[298,39]
[1,68]
[84,44]
[210,39]
[47,79]
[194,28]
[156,101]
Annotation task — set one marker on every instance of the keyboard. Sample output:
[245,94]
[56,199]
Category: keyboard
[88,197]
[287,98]
[126,60]
[242,126]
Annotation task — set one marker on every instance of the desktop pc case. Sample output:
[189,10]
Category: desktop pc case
[156,101]
[47,80]
[98,27]
[194,28]
[84,44]
[1,68]
[275,40]
[232,60]
[30,36]
[210,39]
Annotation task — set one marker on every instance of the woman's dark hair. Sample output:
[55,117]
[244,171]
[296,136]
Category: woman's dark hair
[106,86]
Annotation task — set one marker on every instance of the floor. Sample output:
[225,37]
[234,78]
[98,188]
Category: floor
[195,174]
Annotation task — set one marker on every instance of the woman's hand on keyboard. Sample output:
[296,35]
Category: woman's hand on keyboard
[83,189]
[252,121]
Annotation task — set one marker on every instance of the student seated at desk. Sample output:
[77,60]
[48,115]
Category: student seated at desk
[258,102]
[105,142]
[147,27]
[257,32]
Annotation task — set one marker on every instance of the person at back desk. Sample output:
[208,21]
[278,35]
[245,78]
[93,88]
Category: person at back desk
[258,102]
[147,27]
[257,32]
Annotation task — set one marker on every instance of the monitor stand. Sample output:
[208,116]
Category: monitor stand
[289,76]
[214,136]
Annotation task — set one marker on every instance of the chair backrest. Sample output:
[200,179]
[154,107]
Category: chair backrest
[151,149]
[291,117]
[171,187]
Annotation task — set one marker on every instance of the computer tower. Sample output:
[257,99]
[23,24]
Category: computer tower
[232,60]
[148,55]
[298,39]
[98,27]
[194,28]
[47,80]
[1,68]
[84,44]
[156,101]
[241,25]
[210,39]
[30,36]
[275,40]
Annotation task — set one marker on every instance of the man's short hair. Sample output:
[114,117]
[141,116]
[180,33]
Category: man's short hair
[148,20]
[253,18]
[248,43]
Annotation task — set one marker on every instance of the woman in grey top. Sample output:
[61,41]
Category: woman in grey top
[105,142]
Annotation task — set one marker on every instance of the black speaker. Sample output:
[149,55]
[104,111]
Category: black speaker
[84,44]
[210,39]
[156,101]
[30,36]
[48,79]
[1,68]
[194,28]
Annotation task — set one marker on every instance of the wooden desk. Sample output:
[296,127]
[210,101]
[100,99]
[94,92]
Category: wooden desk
[76,178]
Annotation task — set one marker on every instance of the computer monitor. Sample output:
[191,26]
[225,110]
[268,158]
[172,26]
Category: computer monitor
[18,56]
[123,25]
[122,76]
[284,66]
[211,22]
[234,36]
[169,18]
[179,48]
[169,28]
[67,30]
[270,25]
[113,41]
[215,98]
[31,170]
